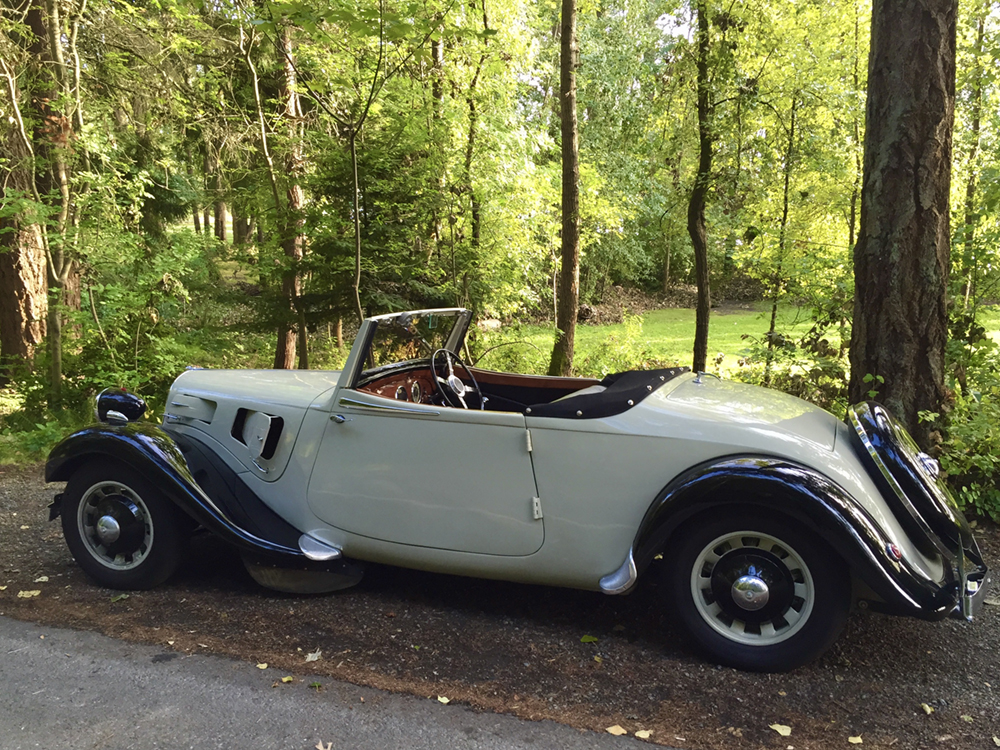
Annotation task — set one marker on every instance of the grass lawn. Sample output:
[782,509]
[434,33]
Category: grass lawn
[665,336]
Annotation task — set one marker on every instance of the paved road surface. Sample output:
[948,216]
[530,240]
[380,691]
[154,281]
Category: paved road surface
[71,689]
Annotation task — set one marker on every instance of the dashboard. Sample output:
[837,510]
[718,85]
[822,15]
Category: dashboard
[416,386]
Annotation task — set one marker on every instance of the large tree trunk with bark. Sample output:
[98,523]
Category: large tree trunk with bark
[699,195]
[902,256]
[52,102]
[23,299]
[569,281]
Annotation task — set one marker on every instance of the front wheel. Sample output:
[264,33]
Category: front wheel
[759,592]
[123,532]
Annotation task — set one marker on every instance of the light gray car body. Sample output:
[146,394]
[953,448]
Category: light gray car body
[456,490]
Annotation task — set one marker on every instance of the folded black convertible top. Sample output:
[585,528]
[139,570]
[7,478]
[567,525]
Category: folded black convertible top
[623,390]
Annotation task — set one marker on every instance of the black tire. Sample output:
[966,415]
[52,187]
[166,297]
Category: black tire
[794,592]
[123,532]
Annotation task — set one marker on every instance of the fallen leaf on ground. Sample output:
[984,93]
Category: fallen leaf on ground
[119,597]
[42,579]
[966,717]
[3,588]
[262,665]
[589,639]
[442,699]
[320,746]
[27,594]
[854,740]
[996,740]
[927,709]
[643,734]
[25,528]
[288,679]
[314,655]
[618,628]
[993,601]
[598,659]
[615,730]
[781,729]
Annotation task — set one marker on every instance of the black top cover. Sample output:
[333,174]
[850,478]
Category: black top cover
[623,391]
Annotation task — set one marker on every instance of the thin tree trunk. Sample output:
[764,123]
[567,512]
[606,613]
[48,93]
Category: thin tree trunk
[777,279]
[356,287]
[968,235]
[569,286]
[696,206]
[852,224]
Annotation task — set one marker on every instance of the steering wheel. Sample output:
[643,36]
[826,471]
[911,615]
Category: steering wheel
[450,386]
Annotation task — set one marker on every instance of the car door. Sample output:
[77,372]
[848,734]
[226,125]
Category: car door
[426,475]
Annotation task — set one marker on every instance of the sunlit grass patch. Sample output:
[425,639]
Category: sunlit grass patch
[665,338]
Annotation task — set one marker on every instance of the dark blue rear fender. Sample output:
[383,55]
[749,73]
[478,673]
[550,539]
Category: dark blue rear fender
[812,500]
[152,452]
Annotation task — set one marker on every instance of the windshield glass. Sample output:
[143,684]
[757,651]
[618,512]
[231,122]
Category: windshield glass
[409,336]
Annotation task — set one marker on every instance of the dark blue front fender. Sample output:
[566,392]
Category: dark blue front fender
[152,452]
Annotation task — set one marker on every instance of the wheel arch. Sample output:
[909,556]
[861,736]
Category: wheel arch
[806,497]
[151,452]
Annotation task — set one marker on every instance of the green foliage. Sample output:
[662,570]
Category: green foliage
[618,352]
[970,454]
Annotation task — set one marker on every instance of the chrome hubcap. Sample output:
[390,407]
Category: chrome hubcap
[750,593]
[108,529]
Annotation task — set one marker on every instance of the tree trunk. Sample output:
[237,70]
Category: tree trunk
[782,231]
[852,220]
[218,194]
[569,281]
[241,230]
[699,194]
[902,256]
[356,286]
[52,137]
[971,219]
[292,221]
[23,301]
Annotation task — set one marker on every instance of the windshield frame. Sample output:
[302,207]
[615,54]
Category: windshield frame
[357,367]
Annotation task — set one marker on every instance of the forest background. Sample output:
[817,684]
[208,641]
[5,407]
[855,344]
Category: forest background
[235,184]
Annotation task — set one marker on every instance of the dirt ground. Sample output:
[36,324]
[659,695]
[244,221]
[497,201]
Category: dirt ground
[504,647]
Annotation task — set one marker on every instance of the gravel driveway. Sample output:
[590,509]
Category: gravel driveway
[513,648]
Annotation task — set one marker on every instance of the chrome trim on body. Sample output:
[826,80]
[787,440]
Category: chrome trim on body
[314,549]
[863,435]
[622,579]
[345,401]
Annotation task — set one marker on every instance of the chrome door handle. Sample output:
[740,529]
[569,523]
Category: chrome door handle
[340,418]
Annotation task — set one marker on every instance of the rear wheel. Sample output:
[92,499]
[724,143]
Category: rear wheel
[758,592]
[123,532]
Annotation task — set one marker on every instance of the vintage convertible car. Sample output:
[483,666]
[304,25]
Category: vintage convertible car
[772,517]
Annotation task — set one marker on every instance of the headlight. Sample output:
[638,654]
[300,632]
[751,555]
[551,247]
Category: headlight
[118,406]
